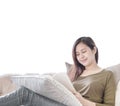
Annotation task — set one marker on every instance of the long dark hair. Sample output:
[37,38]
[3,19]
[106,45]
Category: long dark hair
[91,44]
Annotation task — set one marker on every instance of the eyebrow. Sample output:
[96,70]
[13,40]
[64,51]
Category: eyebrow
[81,50]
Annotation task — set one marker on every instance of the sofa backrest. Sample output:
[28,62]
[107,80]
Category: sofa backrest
[116,71]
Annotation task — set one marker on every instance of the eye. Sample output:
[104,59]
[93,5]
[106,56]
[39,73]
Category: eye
[84,51]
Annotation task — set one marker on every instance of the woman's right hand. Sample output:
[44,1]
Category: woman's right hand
[83,101]
[78,95]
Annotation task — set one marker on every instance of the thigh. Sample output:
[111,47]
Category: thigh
[35,99]
[44,101]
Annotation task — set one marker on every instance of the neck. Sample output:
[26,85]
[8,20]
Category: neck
[92,67]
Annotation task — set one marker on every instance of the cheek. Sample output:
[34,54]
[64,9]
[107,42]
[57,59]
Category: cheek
[77,58]
[92,57]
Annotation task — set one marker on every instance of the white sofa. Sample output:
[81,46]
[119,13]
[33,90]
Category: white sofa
[50,87]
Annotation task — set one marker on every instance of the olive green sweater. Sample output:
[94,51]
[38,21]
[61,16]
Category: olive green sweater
[99,88]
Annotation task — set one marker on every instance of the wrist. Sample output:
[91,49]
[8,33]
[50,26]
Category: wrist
[86,102]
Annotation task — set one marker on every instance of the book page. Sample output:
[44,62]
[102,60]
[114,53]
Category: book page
[64,80]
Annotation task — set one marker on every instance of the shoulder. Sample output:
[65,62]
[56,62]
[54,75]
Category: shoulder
[109,75]
[107,72]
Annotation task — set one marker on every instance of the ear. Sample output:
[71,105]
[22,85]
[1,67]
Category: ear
[94,50]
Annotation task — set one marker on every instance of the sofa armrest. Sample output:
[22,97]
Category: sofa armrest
[117,98]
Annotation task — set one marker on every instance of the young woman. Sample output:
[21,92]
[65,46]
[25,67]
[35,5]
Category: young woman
[95,86]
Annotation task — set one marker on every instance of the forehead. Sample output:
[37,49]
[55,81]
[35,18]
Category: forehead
[81,46]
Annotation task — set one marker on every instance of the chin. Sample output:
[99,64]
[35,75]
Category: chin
[85,64]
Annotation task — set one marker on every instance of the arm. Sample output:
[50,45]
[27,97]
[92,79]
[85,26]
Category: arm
[109,92]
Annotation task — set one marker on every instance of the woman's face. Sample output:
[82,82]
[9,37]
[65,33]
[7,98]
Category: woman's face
[85,55]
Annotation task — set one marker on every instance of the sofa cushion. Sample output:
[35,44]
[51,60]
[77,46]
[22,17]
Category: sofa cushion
[48,87]
[6,86]
[116,71]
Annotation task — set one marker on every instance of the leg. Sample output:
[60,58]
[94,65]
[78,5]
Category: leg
[26,97]
[12,99]
[34,99]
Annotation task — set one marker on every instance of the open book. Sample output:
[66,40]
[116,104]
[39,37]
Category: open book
[64,80]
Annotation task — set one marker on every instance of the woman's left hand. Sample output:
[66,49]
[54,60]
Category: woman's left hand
[78,95]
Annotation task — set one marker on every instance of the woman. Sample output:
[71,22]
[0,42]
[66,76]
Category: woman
[95,86]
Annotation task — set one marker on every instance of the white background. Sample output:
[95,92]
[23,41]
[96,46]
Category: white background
[36,36]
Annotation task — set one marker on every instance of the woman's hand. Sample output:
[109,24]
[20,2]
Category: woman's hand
[78,95]
[83,101]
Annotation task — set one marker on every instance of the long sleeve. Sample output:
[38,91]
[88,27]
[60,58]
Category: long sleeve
[109,92]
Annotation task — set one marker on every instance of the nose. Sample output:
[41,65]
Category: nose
[80,57]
